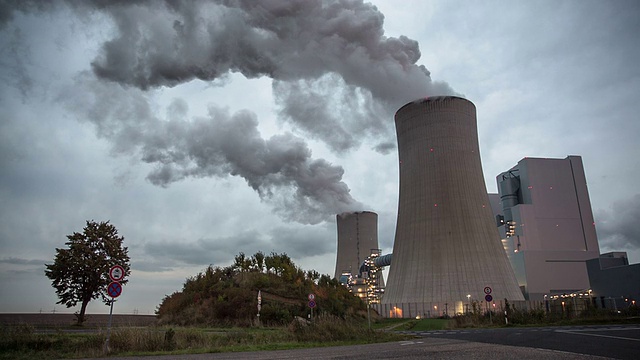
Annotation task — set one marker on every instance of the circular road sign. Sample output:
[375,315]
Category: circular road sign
[312,304]
[487,290]
[116,273]
[311,297]
[114,289]
[488,298]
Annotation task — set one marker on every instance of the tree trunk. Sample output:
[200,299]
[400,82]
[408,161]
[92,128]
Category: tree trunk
[83,308]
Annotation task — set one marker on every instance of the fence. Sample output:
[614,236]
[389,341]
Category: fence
[567,305]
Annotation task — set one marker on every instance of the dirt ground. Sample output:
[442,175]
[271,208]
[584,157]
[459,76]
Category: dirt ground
[62,319]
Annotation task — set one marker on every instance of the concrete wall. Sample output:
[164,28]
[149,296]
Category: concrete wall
[555,231]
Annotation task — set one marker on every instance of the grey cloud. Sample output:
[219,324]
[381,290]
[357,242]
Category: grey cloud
[617,227]
[14,57]
[206,251]
[153,265]
[306,241]
[19,261]
[385,147]
[299,44]
[297,242]
[280,169]
[9,7]
[285,40]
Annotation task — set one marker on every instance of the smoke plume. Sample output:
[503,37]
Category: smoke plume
[280,169]
[336,78]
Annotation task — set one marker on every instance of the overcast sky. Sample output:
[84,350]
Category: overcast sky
[201,131]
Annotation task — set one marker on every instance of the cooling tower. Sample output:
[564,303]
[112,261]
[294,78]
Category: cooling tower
[447,249]
[357,235]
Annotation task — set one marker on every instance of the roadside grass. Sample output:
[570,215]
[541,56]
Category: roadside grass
[413,324]
[24,342]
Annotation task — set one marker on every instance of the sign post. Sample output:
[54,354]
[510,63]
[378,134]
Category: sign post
[259,305]
[488,298]
[116,274]
[312,303]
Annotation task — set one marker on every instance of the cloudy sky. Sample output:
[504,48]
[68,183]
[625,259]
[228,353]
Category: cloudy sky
[201,130]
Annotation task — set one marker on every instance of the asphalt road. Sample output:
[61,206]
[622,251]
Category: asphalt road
[585,342]
[613,341]
[427,348]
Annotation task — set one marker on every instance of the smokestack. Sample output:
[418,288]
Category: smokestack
[357,236]
[447,250]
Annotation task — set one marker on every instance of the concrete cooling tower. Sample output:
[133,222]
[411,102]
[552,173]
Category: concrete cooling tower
[447,251]
[357,235]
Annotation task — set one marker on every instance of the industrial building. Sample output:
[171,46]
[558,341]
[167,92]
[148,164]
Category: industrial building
[456,245]
[614,283]
[547,225]
[447,250]
[357,237]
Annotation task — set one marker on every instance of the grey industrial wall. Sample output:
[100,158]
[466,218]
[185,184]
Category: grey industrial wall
[357,235]
[555,231]
[447,248]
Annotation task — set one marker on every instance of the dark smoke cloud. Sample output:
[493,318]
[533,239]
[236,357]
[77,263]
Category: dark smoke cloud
[336,76]
[618,227]
[13,56]
[280,168]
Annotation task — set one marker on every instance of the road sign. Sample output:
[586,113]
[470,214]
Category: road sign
[116,273]
[312,304]
[115,289]
[487,290]
[311,297]
[488,298]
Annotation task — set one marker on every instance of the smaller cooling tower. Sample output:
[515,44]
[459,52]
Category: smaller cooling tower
[357,236]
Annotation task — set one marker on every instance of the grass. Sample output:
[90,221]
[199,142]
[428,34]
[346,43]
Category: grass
[24,342]
[413,324]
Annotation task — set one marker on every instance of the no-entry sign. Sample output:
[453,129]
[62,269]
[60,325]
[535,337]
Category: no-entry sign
[116,273]
[115,289]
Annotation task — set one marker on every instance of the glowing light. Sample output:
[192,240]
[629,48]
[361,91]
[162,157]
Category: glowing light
[395,312]
[435,205]
[431,149]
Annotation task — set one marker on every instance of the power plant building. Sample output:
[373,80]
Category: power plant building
[447,251]
[547,225]
[357,237]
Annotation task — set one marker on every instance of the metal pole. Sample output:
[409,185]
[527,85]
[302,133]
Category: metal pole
[106,344]
[369,313]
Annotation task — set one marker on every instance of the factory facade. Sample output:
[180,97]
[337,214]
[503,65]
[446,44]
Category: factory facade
[547,226]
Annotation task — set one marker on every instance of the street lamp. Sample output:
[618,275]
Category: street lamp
[468,302]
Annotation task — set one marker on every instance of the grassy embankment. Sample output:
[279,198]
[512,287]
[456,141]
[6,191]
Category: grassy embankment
[26,342]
